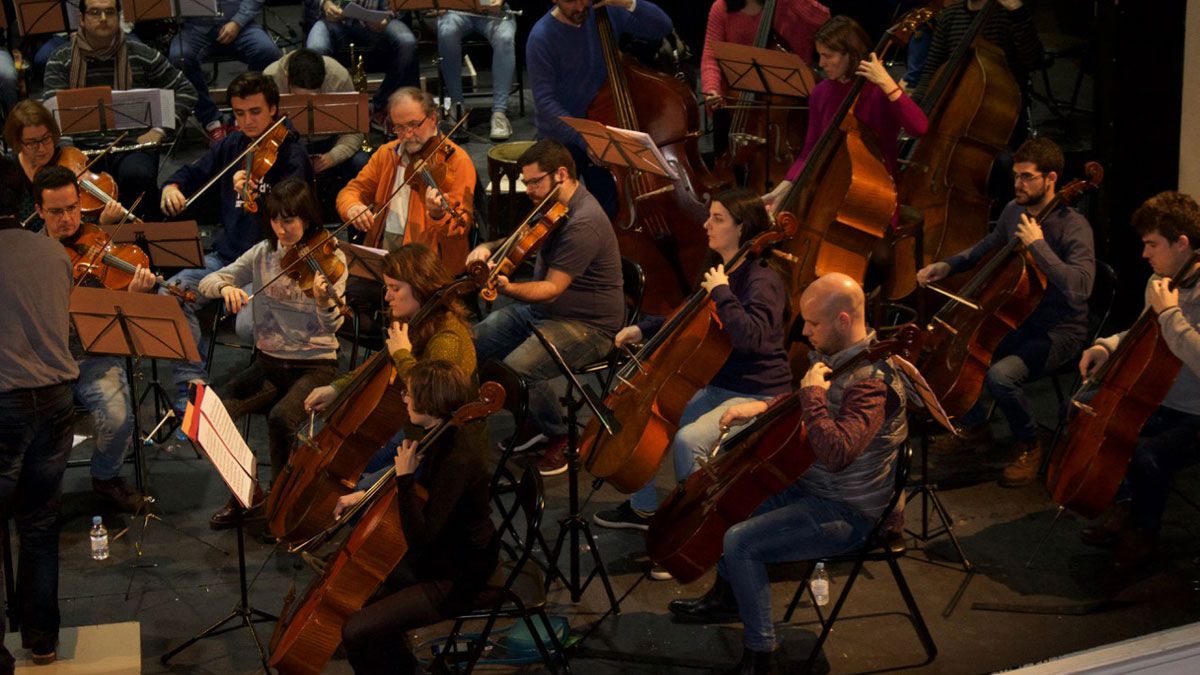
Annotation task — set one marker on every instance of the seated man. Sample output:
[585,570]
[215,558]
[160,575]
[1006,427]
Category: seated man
[575,296]
[1062,248]
[338,158]
[500,29]
[9,87]
[855,425]
[392,37]
[100,55]
[234,32]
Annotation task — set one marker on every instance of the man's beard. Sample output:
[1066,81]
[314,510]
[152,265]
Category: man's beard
[1033,198]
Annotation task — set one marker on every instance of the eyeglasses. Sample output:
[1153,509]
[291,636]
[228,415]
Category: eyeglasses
[1026,177]
[59,213]
[535,181]
[408,127]
[101,13]
[38,142]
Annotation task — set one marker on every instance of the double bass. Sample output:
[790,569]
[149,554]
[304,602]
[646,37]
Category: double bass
[771,453]
[1006,289]
[1111,408]
[660,221]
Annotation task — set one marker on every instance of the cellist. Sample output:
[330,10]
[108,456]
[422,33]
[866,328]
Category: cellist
[1063,249]
[1169,226]
[855,424]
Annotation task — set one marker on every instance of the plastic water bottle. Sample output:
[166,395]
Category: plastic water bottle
[820,585]
[99,539]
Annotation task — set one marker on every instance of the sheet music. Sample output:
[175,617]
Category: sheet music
[643,139]
[207,8]
[209,425]
[360,13]
[920,394]
[131,106]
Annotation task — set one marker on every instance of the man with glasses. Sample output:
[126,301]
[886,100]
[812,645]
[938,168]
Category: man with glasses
[1061,246]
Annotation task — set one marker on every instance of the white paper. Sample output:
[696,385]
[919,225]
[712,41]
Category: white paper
[144,108]
[360,13]
[218,437]
[198,8]
[643,139]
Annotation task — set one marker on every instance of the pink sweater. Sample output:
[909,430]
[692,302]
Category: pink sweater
[796,21]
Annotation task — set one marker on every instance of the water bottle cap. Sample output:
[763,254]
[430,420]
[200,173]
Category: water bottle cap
[96,520]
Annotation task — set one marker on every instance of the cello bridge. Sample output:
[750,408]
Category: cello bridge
[747,139]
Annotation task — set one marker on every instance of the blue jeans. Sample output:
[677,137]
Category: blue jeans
[699,428]
[1168,444]
[35,441]
[190,280]
[501,33]
[103,389]
[793,525]
[505,334]
[395,41]
[8,81]
[195,43]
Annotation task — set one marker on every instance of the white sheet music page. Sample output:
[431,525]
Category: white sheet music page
[209,425]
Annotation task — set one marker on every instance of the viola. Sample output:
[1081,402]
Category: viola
[771,453]
[97,189]
[93,255]
[306,638]
[319,254]
[961,339]
[1109,411]
[657,382]
[431,167]
[259,162]
[524,241]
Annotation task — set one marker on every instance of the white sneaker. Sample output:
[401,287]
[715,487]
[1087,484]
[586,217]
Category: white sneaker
[501,128]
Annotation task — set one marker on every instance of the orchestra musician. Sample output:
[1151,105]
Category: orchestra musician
[449,534]
[499,26]
[1063,249]
[293,331]
[855,425]
[1169,226]
[9,84]
[751,304]
[255,102]
[575,298]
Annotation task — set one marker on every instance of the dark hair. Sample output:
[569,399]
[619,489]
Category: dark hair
[83,7]
[845,35]
[1171,214]
[549,155]
[747,209]
[437,388]
[11,180]
[28,113]
[250,83]
[1042,153]
[52,177]
[306,69]
[419,267]
[428,105]
[291,197]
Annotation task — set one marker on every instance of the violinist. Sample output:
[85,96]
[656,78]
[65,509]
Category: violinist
[751,304]
[1063,249]
[103,387]
[575,298]
[255,102]
[293,331]
[844,52]
[855,425]
[1169,226]
[450,554]
[440,216]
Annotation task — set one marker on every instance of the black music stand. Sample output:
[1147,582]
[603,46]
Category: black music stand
[574,523]
[764,71]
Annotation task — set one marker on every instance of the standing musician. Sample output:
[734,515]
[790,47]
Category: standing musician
[751,304]
[566,71]
[440,217]
[575,297]
[1063,250]
[103,387]
[1169,225]
[855,424]
[843,51]
[293,331]
[255,101]
[449,534]
[99,55]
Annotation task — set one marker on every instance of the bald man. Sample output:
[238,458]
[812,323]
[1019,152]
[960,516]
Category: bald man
[855,425]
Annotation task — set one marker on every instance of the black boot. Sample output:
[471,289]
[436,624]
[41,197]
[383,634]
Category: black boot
[716,606]
[754,663]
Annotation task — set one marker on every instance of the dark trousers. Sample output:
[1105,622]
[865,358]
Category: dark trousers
[136,174]
[35,441]
[374,636]
[1167,444]
[281,386]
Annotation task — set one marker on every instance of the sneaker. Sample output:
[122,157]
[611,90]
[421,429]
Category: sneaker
[553,460]
[43,659]
[216,132]
[119,491]
[968,439]
[1022,470]
[501,127]
[660,573]
[527,437]
[624,517]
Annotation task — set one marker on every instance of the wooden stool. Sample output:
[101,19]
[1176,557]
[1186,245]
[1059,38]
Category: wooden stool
[502,163]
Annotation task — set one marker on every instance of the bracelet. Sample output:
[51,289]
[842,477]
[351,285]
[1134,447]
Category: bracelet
[898,88]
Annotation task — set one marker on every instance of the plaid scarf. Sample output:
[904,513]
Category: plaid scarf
[118,51]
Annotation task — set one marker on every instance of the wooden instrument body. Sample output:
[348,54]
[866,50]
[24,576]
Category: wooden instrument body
[524,242]
[112,266]
[778,132]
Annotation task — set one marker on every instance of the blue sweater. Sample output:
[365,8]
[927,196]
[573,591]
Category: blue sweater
[240,230]
[566,64]
[241,12]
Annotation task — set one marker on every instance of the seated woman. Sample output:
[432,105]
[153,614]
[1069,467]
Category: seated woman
[293,331]
[449,534]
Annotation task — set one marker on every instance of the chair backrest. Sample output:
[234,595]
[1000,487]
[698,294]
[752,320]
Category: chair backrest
[529,501]
[904,455]
[516,393]
[633,282]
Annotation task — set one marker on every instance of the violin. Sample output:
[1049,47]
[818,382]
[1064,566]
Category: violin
[524,242]
[94,255]
[258,162]
[96,189]
[319,253]
[430,166]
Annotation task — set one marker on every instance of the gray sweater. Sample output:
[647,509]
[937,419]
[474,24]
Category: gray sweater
[287,323]
[337,80]
[36,287]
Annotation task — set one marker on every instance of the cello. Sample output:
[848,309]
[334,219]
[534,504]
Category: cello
[306,638]
[972,107]
[764,458]
[1089,464]
[660,221]
[960,341]
[655,385]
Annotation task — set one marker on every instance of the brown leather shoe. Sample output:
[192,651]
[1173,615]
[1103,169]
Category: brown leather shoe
[972,439]
[119,491]
[226,517]
[1134,548]
[1022,470]
[1107,531]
